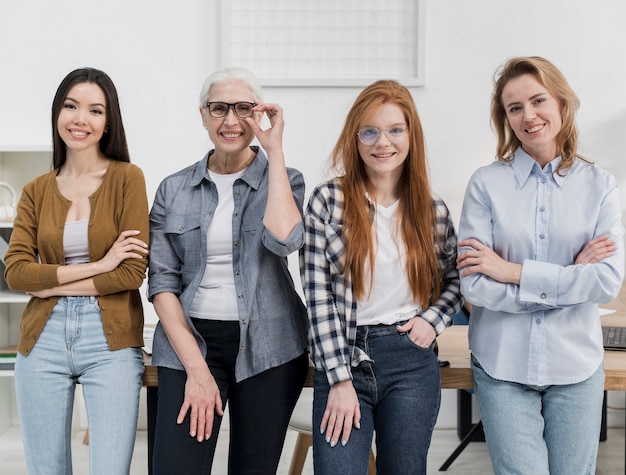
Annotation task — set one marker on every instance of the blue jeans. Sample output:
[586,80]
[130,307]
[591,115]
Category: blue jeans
[540,430]
[399,395]
[73,349]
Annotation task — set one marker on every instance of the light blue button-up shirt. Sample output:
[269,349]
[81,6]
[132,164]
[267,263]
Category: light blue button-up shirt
[272,317]
[546,330]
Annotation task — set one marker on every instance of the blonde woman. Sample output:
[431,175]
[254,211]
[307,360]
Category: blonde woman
[542,244]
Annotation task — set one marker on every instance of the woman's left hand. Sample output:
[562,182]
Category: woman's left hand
[596,250]
[42,294]
[420,331]
[484,260]
[271,139]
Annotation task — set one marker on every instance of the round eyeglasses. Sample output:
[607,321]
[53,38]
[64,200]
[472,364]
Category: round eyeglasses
[370,135]
[219,110]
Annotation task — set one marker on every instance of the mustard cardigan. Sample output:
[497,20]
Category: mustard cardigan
[36,250]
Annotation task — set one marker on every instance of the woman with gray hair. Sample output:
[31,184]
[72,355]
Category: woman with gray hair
[232,327]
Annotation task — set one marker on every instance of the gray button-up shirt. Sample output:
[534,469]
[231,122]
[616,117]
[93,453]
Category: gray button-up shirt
[272,317]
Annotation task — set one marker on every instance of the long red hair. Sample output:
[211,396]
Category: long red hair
[416,207]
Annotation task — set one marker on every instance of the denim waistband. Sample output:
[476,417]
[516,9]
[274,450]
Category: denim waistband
[78,298]
[378,330]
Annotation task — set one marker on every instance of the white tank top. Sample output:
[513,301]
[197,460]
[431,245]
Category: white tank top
[76,242]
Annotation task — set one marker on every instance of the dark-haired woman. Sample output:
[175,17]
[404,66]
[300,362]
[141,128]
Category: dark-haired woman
[78,248]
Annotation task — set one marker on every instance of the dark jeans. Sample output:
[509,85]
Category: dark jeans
[399,395]
[260,408]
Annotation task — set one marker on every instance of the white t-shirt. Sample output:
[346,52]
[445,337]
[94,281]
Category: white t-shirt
[391,299]
[216,298]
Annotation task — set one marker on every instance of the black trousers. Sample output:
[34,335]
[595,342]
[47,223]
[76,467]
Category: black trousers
[259,407]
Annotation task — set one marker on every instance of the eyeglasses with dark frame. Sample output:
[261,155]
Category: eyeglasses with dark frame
[218,110]
[370,135]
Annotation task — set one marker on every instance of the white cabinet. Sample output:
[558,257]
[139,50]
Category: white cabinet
[18,165]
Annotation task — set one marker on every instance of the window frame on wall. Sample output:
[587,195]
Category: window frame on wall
[233,41]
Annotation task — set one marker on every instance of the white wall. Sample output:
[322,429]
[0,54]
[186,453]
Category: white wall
[158,53]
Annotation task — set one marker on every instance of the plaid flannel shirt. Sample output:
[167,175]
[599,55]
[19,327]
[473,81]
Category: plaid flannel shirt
[330,301]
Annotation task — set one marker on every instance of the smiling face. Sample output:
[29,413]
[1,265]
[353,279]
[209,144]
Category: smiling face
[230,135]
[534,115]
[385,159]
[82,118]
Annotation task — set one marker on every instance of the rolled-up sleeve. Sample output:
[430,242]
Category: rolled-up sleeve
[295,240]
[322,278]
[449,302]
[164,272]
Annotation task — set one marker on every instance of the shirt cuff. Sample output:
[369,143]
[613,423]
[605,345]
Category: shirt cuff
[292,243]
[433,317]
[338,375]
[539,283]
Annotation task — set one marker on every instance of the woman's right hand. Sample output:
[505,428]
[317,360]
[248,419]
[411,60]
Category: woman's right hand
[596,250]
[202,401]
[125,247]
[342,413]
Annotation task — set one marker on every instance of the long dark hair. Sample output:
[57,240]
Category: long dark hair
[113,143]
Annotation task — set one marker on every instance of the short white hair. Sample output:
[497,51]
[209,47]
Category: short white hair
[231,74]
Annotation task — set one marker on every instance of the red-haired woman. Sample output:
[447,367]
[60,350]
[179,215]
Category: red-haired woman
[381,283]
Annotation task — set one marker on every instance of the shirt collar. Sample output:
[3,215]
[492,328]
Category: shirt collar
[252,176]
[523,166]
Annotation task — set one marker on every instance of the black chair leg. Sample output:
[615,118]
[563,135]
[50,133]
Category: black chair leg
[466,440]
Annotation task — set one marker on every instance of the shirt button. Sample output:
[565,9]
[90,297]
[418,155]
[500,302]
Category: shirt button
[109,332]
[543,295]
[235,215]
[241,348]
[538,321]
[240,296]
[236,243]
[542,236]
[236,193]
[237,272]
[243,322]
[181,229]
[542,208]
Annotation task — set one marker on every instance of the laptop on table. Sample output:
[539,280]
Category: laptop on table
[614,338]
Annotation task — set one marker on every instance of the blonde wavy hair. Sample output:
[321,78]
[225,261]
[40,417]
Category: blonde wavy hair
[553,80]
